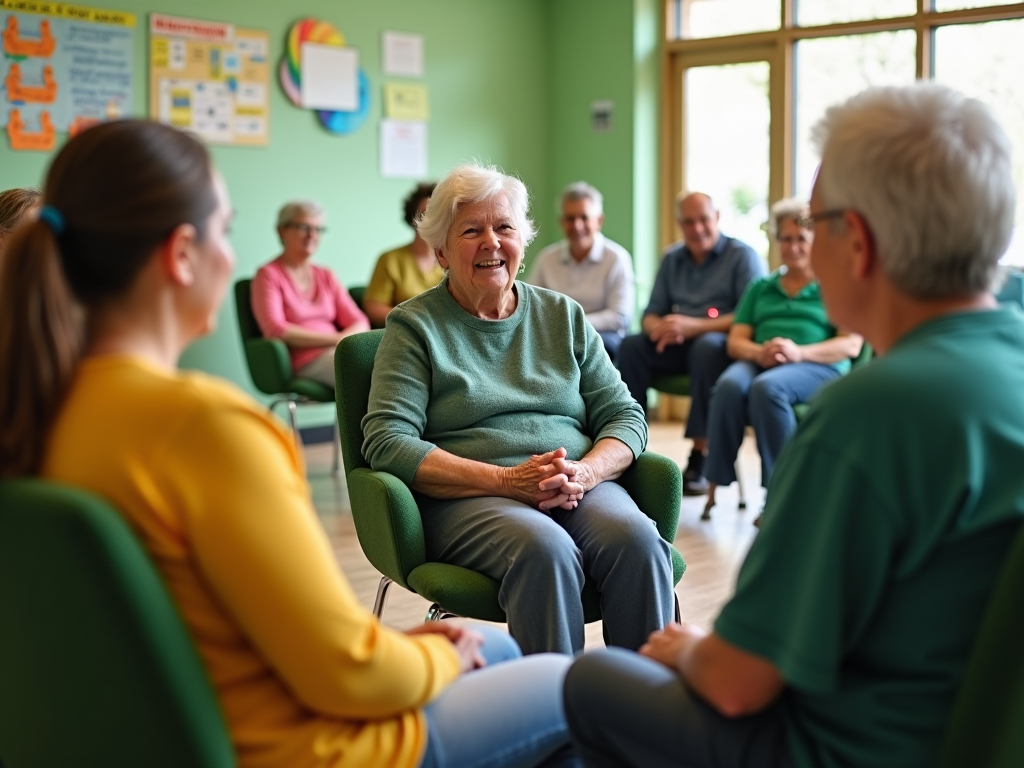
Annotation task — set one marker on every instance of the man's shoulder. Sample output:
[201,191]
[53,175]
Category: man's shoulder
[553,251]
[736,248]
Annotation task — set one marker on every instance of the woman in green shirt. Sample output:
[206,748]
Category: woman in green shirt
[496,403]
[785,350]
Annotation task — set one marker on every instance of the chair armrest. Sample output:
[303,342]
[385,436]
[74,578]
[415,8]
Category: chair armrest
[269,365]
[656,485]
[387,522]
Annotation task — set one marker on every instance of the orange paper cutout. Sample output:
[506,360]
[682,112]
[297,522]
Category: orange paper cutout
[44,140]
[14,45]
[31,94]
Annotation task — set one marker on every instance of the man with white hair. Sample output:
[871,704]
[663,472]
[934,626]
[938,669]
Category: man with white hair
[696,291]
[892,509]
[589,268]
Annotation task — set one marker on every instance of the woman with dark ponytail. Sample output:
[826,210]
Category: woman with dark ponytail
[127,264]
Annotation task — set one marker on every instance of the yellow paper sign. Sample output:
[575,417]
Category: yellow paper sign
[405,102]
[67,11]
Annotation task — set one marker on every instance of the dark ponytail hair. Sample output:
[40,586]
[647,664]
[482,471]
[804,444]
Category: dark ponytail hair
[112,195]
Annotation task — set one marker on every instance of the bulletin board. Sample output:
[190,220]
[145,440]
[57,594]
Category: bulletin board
[210,78]
[63,67]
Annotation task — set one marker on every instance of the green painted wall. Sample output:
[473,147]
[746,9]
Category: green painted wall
[608,50]
[510,82]
[486,64]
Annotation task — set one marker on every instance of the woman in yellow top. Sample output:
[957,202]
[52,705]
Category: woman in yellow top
[404,272]
[133,240]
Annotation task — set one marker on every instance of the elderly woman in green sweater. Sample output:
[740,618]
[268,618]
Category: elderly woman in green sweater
[495,402]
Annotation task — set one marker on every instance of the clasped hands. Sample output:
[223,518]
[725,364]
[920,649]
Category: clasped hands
[778,351]
[467,642]
[550,480]
[673,329]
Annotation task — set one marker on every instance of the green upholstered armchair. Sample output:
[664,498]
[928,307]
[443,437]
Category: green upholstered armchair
[96,667]
[270,367]
[388,522]
[985,727]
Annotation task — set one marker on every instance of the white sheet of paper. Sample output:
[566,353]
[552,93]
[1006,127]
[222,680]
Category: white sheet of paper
[403,149]
[403,54]
[330,77]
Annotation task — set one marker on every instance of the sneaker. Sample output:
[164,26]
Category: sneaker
[694,482]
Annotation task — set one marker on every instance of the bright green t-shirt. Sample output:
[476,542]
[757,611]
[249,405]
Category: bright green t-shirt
[888,518]
[774,313]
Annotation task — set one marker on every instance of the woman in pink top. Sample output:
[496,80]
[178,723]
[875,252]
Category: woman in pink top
[304,305]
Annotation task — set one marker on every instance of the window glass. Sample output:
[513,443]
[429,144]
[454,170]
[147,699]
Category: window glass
[727,132]
[986,61]
[811,13]
[716,18]
[956,5]
[829,70]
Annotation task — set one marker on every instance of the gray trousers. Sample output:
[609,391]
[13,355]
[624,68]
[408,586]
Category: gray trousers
[542,561]
[627,710]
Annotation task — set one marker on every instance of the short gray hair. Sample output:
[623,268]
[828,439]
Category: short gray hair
[291,210]
[929,170]
[472,183]
[786,209]
[580,190]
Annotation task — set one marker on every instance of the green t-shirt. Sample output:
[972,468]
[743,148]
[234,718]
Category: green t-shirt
[774,313]
[494,391]
[887,521]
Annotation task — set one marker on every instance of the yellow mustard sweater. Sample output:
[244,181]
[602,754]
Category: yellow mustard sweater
[216,491]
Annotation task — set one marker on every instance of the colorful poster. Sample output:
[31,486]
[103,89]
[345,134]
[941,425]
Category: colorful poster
[63,67]
[210,78]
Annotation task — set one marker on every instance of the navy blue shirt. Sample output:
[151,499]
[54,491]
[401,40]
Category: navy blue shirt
[684,287]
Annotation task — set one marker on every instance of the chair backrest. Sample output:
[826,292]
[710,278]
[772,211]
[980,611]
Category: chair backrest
[357,292]
[96,667]
[247,324]
[986,729]
[353,369]
[866,353]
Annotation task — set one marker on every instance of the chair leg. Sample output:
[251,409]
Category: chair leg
[380,603]
[295,423]
[336,461]
[437,613]
[706,515]
[739,482]
[679,615]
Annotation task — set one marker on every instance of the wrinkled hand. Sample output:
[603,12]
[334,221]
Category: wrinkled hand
[673,330]
[667,644]
[539,482]
[785,350]
[467,642]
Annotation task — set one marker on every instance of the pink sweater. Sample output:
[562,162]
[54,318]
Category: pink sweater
[277,303]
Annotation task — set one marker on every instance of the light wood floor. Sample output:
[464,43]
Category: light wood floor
[713,550]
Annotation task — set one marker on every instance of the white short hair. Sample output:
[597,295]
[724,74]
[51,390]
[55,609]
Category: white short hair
[929,170]
[295,208]
[580,190]
[472,183]
[786,209]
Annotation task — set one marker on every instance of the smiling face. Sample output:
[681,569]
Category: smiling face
[581,222]
[795,245]
[301,236]
[483,252]
[698,219]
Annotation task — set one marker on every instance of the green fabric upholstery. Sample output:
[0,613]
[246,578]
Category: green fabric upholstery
[672,384]
[269,363]
[985,729]
[388,522]
[358,292]
[96,667]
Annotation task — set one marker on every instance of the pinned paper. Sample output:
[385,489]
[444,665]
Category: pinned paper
[403,149]
[405,102]
[403,54]
[330,77]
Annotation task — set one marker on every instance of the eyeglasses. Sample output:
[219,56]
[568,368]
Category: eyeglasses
[801,240]
[808,222]
[307,229]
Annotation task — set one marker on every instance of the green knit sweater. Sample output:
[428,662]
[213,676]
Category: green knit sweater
[497,391]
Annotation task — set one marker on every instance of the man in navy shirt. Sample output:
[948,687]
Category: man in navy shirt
[685,324]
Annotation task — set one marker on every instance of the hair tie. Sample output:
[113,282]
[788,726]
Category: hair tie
[53,218]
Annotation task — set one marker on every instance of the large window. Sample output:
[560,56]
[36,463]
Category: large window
[748,79]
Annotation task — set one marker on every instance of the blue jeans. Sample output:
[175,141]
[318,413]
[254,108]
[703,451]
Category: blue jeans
[506,715]
[762,397]
[542,561]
